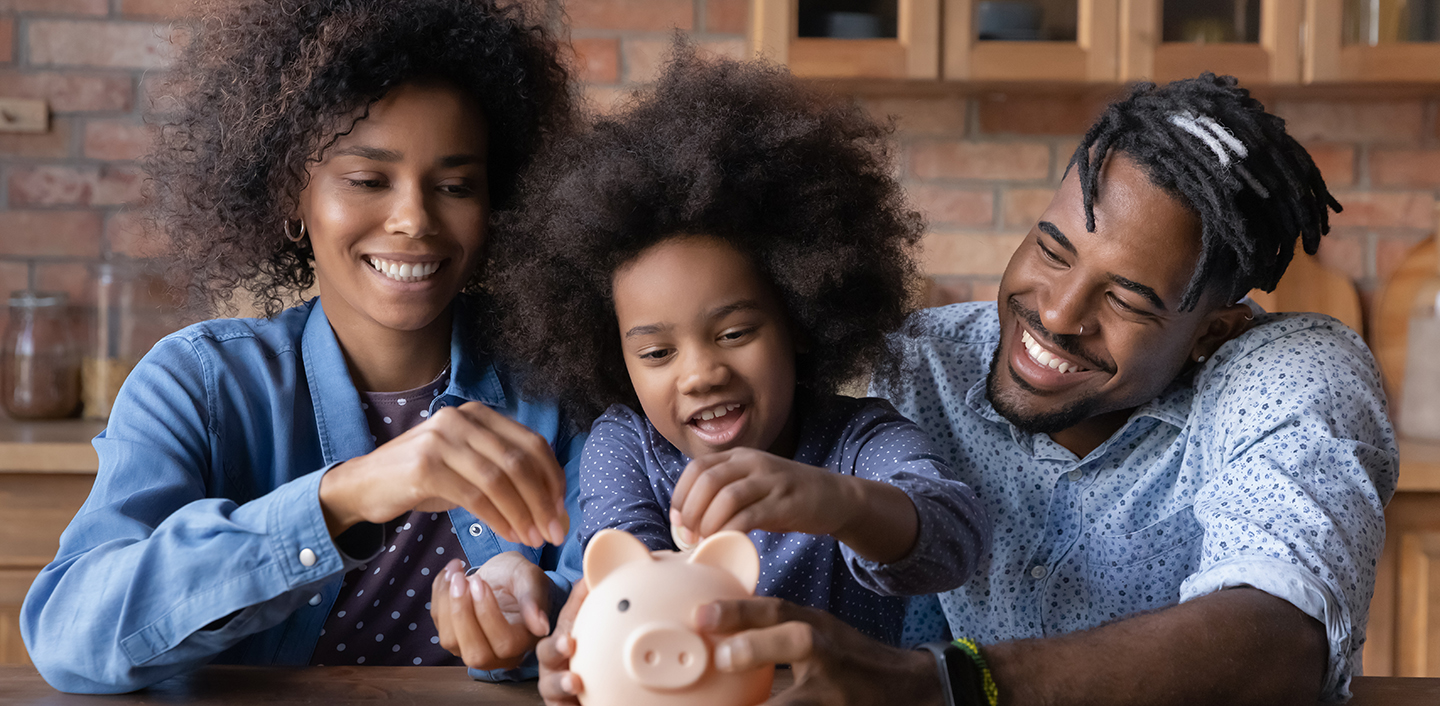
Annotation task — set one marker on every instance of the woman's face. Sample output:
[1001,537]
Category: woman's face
[707,347]
[397,209]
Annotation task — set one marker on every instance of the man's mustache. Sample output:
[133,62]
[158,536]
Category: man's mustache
[1065,342]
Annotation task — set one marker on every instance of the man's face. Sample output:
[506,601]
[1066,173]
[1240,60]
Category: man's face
[1090,324]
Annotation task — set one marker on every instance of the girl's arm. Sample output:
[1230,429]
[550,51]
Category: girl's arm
[616,487]
[154,578]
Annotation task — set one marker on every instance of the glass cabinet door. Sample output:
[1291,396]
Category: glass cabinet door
[1054,40]
[1257,41]
[1373,40]
[849,38]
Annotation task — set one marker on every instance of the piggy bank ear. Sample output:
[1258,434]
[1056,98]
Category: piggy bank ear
[734,553]
[608,550]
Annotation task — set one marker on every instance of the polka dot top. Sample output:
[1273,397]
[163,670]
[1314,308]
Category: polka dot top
[382,615]
[628,472]
[1268,467]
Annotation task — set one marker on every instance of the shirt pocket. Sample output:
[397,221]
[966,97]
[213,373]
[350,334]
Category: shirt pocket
[1143,545]
[1141,570]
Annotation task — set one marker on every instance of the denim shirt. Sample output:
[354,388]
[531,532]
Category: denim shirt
[206,511]
[1267,467]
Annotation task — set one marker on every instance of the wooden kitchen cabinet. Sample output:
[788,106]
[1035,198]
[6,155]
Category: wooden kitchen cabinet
[1372,40]
[46,470]
[1259,44]
[1404,632]
[1089,56]
[912,53]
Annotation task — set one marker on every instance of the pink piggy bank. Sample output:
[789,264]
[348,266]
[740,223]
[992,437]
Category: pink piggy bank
[633,642]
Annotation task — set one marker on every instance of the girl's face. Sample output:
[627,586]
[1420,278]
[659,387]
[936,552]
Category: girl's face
[707,347]
[396,211]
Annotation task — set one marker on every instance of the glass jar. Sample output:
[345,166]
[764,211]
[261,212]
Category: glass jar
[41,367]
[117,336]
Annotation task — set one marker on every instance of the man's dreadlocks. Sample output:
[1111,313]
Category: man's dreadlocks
[1206,141]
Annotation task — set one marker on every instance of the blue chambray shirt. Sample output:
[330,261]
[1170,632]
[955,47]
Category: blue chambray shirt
[1269,468]
[206,504]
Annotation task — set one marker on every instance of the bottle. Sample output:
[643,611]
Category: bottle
[41,367]
[119,334]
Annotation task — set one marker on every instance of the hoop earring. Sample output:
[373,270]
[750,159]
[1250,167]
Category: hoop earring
[296,237]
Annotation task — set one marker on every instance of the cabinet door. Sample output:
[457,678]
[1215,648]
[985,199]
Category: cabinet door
[1372,40]
[891,39]
[1256,41]
[1403,638]
[1046,40]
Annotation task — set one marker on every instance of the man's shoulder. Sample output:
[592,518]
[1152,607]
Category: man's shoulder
[1295,341]
[966,322]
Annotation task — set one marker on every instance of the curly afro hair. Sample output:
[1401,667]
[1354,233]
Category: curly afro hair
[735,151]
[265,86]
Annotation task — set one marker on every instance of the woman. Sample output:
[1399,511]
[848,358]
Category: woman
[284,490]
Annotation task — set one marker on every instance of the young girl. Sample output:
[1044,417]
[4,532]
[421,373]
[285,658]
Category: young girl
[711,264]
[275,491]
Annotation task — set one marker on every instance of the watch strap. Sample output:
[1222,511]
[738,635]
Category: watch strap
[960,679]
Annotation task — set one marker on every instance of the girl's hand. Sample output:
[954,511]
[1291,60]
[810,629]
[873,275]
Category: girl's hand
[558,685]
[492,618]
[470,456]
[746,489]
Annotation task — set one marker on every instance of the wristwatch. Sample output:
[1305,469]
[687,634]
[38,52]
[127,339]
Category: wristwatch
[960,679]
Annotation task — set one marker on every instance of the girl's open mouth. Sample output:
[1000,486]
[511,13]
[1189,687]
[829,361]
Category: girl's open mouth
[720,424]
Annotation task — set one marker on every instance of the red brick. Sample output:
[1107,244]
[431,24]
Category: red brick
[1344,252]
[968,254]
[50,185]
[1379,209]
[944,290]
[921,116]
[1336,163]
[645,58]
[57,7]
[632,15]
[980,160]
[602,100]
[131,235]
[50,233]
[950,206]
[597,60]
[116,139]
[730,16]
[72,278]
[1368,121]
[70,91]
[1002,113]
[134,45]
[1405,167]
[1391,251]
[55,143]
[1024,206]
[170,9]
[7,39]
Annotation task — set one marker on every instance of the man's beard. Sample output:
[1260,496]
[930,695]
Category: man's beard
[1043,423]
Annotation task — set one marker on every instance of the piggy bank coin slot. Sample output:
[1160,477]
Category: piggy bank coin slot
[666,656]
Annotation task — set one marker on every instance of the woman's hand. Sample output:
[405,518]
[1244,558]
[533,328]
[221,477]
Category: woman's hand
[747,489]
[558,685]
[833,663]
[469,456]
[492,618]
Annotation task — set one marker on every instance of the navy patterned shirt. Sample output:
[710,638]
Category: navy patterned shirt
[628,472]
[1269,468]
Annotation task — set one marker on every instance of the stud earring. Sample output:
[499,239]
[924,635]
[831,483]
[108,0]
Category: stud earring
[297,237]
[1201,359]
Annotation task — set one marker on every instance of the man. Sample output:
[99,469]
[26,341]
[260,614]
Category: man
[1187,497]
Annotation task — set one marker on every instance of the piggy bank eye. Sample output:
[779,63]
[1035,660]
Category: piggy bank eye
[624,605]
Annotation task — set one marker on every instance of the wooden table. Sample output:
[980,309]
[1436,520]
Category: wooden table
[439,686]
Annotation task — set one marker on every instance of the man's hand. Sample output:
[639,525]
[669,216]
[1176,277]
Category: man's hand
[468,456]
[558,685]
[832,662]
[747,489]
[494,617]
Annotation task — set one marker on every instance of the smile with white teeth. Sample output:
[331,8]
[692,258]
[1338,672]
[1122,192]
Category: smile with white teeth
[404,271]
[1044,357]
[717,411]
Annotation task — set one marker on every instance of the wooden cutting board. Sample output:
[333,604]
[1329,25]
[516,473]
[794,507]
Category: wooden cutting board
[1413,285]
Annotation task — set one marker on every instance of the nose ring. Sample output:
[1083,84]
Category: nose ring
[1082,329]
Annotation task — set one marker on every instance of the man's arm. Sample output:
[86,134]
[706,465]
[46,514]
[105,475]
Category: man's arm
[1238,646]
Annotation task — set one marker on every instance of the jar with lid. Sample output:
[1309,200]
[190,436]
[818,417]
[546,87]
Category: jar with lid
[40,366]
[123,324]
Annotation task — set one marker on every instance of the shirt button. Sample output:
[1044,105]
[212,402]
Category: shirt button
[307,557]
[315,599]
[1039,572]
[476,530]
[1075,475]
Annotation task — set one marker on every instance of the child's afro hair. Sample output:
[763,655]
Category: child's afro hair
[737,151]
[265,86]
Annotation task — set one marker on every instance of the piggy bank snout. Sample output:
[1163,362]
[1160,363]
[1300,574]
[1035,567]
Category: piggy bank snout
[665,655]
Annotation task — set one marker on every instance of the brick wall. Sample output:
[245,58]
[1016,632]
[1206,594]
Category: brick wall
[980,163]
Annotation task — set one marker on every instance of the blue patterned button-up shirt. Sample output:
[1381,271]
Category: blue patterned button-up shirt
[1269,468]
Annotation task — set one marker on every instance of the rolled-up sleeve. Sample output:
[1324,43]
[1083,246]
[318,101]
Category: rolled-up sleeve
[1305,461]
